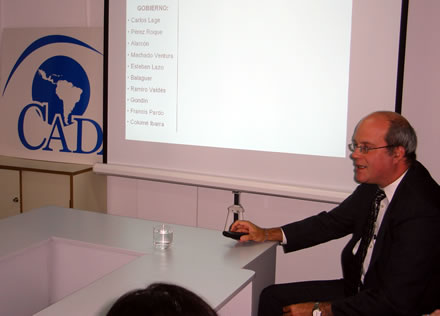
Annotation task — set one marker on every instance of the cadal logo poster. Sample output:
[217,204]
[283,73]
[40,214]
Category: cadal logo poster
[51,94]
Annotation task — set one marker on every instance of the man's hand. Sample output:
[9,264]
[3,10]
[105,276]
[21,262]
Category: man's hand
[253,232]
[305,309]
[256,233]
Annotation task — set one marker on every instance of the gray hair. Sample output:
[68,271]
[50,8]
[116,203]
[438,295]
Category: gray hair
[400,133]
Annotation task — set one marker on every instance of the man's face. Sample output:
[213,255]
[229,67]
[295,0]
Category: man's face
[378,165]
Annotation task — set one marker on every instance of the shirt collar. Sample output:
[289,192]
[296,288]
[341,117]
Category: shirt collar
[391,188]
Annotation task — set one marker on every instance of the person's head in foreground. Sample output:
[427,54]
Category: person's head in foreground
[160,299]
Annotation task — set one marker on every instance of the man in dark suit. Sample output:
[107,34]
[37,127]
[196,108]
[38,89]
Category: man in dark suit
[400,273]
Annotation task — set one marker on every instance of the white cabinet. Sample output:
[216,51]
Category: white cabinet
[9,192]
[26,184]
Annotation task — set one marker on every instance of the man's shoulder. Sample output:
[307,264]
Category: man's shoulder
[419,177]
[419,188]
[365,189]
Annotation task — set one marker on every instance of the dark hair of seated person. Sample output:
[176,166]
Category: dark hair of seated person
[160,299]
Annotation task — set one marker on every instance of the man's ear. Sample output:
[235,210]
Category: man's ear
[399,153]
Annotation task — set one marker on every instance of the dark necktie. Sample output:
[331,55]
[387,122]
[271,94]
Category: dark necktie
[369,229]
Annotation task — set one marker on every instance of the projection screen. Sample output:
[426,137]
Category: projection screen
[259,96]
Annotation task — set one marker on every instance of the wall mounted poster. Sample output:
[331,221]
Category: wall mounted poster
[52,94]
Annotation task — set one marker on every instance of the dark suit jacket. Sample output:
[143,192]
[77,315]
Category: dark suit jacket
[404,274]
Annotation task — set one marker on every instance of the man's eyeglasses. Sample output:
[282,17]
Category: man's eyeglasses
[365,149]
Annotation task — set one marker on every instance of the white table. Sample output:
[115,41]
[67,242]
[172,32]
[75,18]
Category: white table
[60,261]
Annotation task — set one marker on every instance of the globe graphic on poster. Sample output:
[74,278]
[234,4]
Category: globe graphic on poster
[62,84]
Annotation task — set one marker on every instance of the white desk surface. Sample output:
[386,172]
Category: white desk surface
[202,260]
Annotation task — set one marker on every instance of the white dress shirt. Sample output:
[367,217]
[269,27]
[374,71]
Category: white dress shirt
[389,192]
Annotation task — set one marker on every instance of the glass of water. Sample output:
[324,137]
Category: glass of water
[162,236]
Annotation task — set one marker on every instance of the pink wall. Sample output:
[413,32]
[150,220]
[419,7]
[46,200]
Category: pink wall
[51,13]
[421,95]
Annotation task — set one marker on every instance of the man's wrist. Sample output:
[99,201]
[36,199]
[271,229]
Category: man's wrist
[326,309]
[266,234]
[316,311]
[273,234]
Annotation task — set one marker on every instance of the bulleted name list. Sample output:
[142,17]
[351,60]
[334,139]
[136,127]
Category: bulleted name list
[151,68]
